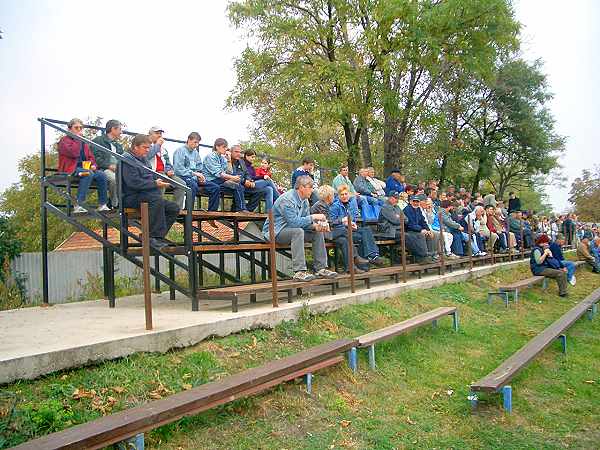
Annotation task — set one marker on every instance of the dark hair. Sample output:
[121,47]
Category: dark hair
[446,203]
[249,152]
[112,123]
[140,139]
[307,160]
[194,136]
[219,142]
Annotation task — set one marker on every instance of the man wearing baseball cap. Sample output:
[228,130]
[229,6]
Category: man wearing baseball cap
[159,161]
[416,226]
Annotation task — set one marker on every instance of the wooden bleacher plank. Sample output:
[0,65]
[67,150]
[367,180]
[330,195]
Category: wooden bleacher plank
[119,426]
[513,365]
[405,326]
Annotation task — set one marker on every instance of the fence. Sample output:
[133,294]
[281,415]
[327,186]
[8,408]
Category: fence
[71,273]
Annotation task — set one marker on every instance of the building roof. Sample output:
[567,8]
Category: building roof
[80,241]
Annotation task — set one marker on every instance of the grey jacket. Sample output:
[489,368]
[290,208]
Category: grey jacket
[448,221]
[389,220]
[363,187]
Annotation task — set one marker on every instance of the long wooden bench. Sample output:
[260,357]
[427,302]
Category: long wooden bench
[124,424]
[497,380]
[370,339]
[506,290]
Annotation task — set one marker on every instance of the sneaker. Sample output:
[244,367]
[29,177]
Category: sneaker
[452,256]
[562,295]
[377,261]
[79,210]
[326,273]
[303,276]
[360,261]
[102,208]
[357,270]
[158,243]
[573,280]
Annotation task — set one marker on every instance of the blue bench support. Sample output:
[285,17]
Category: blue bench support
[134,443]
[502,294]
[372,357]
[455,320]
[507,398]
[472,397]
[592,311]
[563,341]
[434,324]
[352,359]
[545,283]
[308,378]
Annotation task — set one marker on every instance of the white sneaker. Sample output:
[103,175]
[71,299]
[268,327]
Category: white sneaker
[482,253]
[79,210]
[103,208]
[573,280]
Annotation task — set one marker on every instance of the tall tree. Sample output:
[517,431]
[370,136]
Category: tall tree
[585,195]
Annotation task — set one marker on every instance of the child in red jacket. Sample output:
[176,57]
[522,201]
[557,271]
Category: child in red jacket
[264,172]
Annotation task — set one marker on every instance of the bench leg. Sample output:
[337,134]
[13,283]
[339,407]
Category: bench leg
[592,311]
[252,298]
[333,288]
[290,295]
[507,398]
[134,443]
[234,303]
[308,379]
[516,296]
[352,360]
[545,283]
[372,357]
[472,397]
[502,294]
[455,320]
[434,323]
[563,341]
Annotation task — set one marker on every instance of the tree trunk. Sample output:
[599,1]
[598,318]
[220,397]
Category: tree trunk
[351,137]
[479,173]
[390,144]
[443,168]
[367,158]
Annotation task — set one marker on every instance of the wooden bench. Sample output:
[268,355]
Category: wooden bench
[505,290]
[122,425]
[369,340]
[497,381]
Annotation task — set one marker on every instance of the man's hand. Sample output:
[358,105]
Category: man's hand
[112,167]
[461,228]
[170,173]
[162,184]
[201,178]
[424,232]
[160,141]
[318,217]
[267,177]
[249,184]
[564,269]
[354,226]
[235,178]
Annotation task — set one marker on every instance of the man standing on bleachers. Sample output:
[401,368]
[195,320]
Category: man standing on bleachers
[106,162]
[140,185]
[293,224]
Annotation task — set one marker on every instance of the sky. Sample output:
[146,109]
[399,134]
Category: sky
[171,64]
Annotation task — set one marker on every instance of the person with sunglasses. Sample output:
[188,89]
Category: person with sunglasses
[75,158]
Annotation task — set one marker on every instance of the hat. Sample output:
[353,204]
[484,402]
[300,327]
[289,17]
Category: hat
[156,129]
[394,194]
[542,239]
[395,170]
[419,197]
[446,203]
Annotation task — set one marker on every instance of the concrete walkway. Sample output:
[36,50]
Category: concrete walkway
[40,340]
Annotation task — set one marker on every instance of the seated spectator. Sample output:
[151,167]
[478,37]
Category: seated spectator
[141,185]
[395,182]
[416,225]
[364,187]
[238,167]
[584,254]
[433,195]
[343,179]
[542,262]
[306,169]
[264,172]
[293,224]
[497,233]
[433,221]
[403,200]
[595,249]
[556,249]
[378,184]
[215,167]
[159,161]
[514,203]
[105,161]
[259,180]
[516,223]
[475,219]
[363,237]
[76,159]
[453,227]
[189,168]
[490,200]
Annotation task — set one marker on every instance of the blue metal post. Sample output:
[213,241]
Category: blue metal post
[134,443]
[563,341]
[507,398]
[372,356]
[592,311]
[545,283]
[352,362]
[472,397]
[308,379]
[455,320]
[434,324]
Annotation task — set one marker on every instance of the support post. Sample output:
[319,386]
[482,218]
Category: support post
[172,277]
[434,323]
[273,261]
[156,278]
[350,253]
[545,283]
[372,356]
[507,398]
[455,320]
[44,215]
[111,275]
[146,264]
[134,443]
[442,245]
[469,245]
[592,311]
[352,361]
[563,342]
[308,378]
[403,247]
[522,240]
[472,397]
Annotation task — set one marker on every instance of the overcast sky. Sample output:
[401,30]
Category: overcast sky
[170,64]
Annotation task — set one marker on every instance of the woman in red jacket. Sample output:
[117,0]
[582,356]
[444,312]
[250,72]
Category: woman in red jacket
[75,158]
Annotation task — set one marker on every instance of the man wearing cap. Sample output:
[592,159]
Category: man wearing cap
[516,223]
[105,161]
[158,159]
[394,182]
[542,262]
[556,249]
[584,254]
[417,227]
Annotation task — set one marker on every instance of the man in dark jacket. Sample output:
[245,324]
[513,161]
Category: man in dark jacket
[542,262]
[514,202]
[556,249]
[238,167]
[417,227]
[140,185]
[105,161]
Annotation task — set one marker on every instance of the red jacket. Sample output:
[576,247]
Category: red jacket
[68,154]
[260,173]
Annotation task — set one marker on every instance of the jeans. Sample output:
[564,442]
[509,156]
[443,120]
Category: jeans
[416,244]
[262,188]
[361,237]
[457,242]
[474,246]
[86,182]
[111,179]
[570,265]
[236,189]
[296,237]
[210,188]
[161,213]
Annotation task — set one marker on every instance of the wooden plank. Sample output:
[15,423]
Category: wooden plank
[116,427]
[513,365]
[404,327]
[521,283]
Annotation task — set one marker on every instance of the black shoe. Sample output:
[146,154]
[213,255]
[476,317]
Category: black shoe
[360,261]
[562,295]
[377,261]
[158,243]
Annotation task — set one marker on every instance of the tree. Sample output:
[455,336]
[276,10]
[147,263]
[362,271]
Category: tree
[585,195]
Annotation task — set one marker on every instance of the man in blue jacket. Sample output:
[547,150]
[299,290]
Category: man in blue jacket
[306,169]
[395,182]
[556,249]
[542,262]
[140,185]
[416,226]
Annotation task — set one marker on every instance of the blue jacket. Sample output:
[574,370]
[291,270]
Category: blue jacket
[551,263]
[289,211]
[137,181]
[391,184]
[414,220]
[557,251]
[186,161]
[298,172]
[214,165]
[339,210]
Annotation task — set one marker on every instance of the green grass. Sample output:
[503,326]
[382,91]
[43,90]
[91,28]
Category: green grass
[415,399]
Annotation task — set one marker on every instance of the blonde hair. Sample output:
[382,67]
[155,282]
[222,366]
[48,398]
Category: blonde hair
[326,191]
[342,187]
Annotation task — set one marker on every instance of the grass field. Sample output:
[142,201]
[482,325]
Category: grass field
[417,397]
